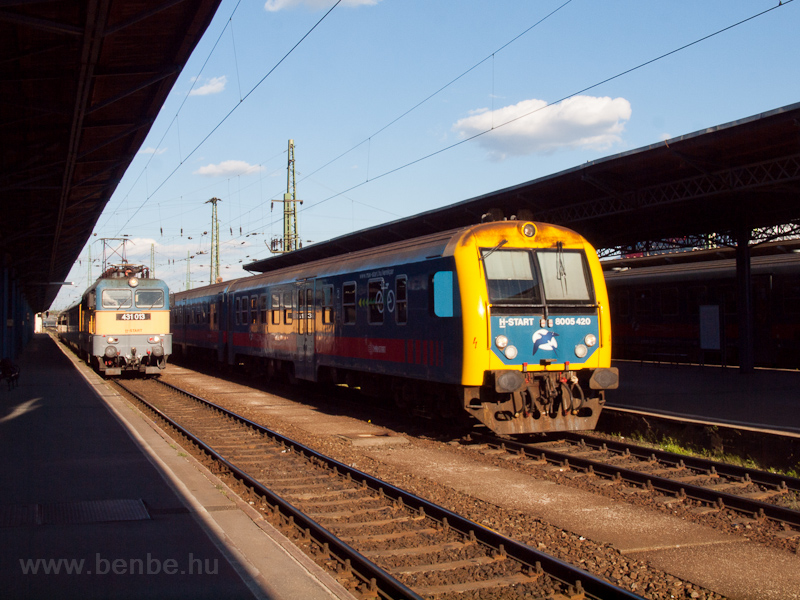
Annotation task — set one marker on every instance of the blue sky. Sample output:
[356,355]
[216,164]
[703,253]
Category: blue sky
[525,71]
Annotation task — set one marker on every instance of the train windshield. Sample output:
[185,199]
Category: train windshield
[510,277]
[564,275]
[117,298]
[149,299]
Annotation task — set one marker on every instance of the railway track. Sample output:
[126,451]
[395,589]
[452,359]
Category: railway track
[382,541]
[714,484]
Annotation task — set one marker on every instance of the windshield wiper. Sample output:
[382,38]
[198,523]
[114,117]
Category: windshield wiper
[500,245]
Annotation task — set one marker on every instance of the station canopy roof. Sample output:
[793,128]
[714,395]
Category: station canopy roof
[744,174]
[81,83]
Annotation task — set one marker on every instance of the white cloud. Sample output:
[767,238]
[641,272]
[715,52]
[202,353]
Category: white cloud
[151,150]
[535,128]
[214,85]
[276,5]
[229,168]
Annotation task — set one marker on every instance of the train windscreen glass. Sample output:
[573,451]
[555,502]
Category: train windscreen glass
[149,299]
[564,276]
[116,298]
[510,277]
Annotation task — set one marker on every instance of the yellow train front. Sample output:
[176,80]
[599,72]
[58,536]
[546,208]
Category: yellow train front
[536,325]
[121,323]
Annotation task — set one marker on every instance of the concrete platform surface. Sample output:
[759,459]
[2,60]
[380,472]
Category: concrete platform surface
[764,398]
[98,503]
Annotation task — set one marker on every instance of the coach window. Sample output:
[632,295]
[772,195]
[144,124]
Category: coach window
[236,310]
[349,303]
[276,309]
[213,315]
[244,318]
[262,307]
[670,302]
[442,290]
[254,310]
[401,299]
[643,302]
[288,306]
[375,301]
[698,295]
[116,298]
[327,304]
[301,312]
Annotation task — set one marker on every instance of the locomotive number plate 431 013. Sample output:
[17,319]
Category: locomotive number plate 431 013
[133,316]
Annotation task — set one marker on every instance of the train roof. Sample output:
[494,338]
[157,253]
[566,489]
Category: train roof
[701,270]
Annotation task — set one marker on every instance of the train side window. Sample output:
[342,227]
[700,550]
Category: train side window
[262,306]
[213,315]
[624,303]
[401,299]
[375,301]
[442,293]
[791,297]
[327,304]
[243,318]
[670,302]
[697,295]
[302,312]
[237,310]
[276,309]
[729,300]
[349,303]
[643,302]
[288,305]
[254,310]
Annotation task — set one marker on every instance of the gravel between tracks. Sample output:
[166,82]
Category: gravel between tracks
[599,559]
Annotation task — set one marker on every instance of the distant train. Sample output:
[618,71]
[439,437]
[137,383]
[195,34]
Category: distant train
[659,309]
[121,323]
[507,322]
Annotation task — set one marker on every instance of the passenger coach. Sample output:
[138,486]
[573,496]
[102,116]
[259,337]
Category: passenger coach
[507,322]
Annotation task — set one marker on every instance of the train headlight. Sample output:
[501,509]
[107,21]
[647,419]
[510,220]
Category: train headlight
[501,341]
[581,350]
[110,352]
[133,282]
[529,230]
[510,352]
[112,340]
[154,339]
[590,340]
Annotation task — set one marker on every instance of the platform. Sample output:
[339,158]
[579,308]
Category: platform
[764,398]
[98,503]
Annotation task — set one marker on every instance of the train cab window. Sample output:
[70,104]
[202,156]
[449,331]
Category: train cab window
[146,299]
[288,306]
[262,308]
[564,276]
[327,304]
[253,310]
[510,278]
[375,301]
[442,292]
[401,299]
[670,302]
[349,303]
[276,309]
[116,298]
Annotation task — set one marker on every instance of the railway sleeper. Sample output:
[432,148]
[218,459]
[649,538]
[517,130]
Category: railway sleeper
[381,523]
[417,550]
[444,566]
[387,537]
[349,513]
[471,586]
